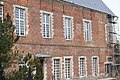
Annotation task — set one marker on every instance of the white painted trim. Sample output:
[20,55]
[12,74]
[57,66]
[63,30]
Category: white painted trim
[107,32]
[47,12]
[19,6]
[105,63]
[26,19]
[106,39]
[45,69]
[2,3]
[85,65]
[107,58]
[72,71]
[108,62]
[87,20]
[72,26]
[90,28]
[67,16]
[51,23]
[60,65]
[98,64]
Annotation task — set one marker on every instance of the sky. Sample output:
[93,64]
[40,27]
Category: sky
[114,5]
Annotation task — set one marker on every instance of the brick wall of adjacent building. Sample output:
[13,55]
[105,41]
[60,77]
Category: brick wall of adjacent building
[57,46]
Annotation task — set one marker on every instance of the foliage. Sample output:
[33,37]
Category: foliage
[7,40]
[7,37]
[30,68]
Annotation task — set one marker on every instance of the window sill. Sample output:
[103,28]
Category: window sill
[47,37]
[69,39]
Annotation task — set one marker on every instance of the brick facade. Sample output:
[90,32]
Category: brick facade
[58,46]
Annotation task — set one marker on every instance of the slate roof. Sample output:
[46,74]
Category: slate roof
[98,5]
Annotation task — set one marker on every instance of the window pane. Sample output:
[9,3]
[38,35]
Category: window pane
[57,71]
[47,30]
[44,30]
[69,22]
[67,68]
[47,18]
[22,27]
[17,26]
[69,33]
[21,14]
[1,12]
[17,13]
[43,18]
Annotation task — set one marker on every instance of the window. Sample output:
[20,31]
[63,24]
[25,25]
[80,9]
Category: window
[68,24]
[107,30]
[20,21]
[46,24]
[95,66]
[68,68]
[108,68]
[87,30]
[1,12]
[57,69]
[82,66]
[108,65]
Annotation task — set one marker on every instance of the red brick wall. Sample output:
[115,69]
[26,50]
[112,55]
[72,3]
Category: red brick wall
[58,46]
[59,9]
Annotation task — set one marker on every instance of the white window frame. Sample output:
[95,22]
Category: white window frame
[87,30]
[107,62]
[85,66]
[67,28]
[2,12]
[107,34]
[60,66]
[107,57]
[45,69]
[106,68]
[25,19]
[97,64]
[71,67]
[44,32]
